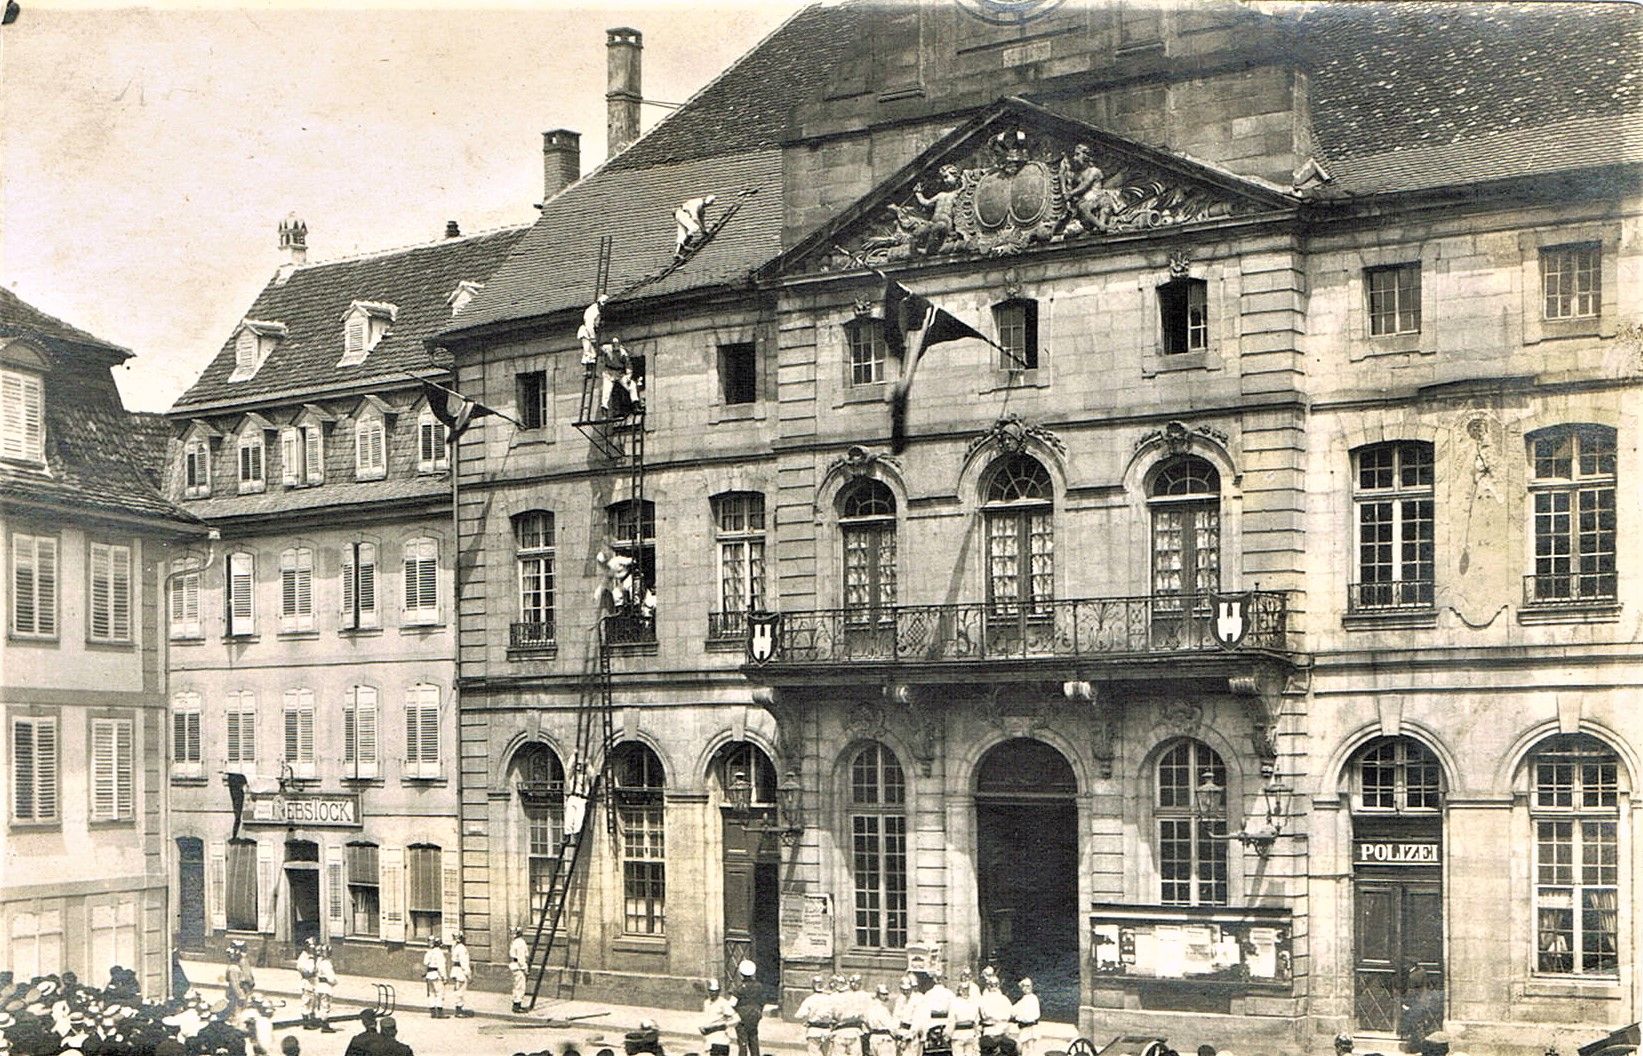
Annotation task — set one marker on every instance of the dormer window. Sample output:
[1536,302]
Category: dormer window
[431,443]
[22,402]
[197,459]
[371,439]
[253,454]
[465,291]
[363,325]
[302,448]
[253,342]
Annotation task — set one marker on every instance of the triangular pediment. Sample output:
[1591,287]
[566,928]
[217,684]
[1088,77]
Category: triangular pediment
[1019,177]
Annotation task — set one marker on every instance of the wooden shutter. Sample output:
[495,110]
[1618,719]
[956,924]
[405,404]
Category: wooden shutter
[413,736]
[45,585]
[367,584]
[240,603]
[350,740]
[125,771]
[216,885]
[313,451]
[103,764]
[288,585]
[450,893]
[120,587]
[365,732]
[266,880]
[350,574]
[391,861]
[22,421]
[45,769]
[25,786]
[335,894]
[101,602]
[290,456]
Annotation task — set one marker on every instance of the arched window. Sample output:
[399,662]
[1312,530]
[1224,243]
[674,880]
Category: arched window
[1575,794]
[539,779]
[1572,486]
[738,518]
[878,847]
[640,816]
[1020,536]
[534,553]
[1392,499]
[745,763]
[1186,531]
[1191,811]
[867,522]
[1398,775]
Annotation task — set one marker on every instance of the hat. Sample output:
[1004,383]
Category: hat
[746,969]
[713,986]
[433,940]
[881,991]
[907,982]
[817,982]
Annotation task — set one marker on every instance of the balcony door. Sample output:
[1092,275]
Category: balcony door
[1185,501]
[867,525]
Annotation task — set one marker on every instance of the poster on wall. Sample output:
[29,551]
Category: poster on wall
[807,927]
[1250,946]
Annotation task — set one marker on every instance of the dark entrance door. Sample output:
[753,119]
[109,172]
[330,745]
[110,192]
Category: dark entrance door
[190,892]
[1027,871]
[302,880]
[752,859]
[1400,954]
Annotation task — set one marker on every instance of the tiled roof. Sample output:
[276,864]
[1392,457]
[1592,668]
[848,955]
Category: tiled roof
[346,493]
[311,303]
[553,267]
[746,107]
[151,442]
[91,462]
[1400,76]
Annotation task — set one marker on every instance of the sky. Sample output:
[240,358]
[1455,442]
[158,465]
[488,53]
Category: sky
[148,155]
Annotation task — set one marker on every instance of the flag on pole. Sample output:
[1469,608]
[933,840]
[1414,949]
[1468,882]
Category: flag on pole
[456,421]
[905,314]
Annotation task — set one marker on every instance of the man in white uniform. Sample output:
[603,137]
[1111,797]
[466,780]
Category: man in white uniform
[461,972]
[519,958]
[433,973]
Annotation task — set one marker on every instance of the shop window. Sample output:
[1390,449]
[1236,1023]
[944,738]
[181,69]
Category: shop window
[1393,500]
[1572,487]
[1575,807]
[364,890]
[878,848]
[1020,520]
[1190,811]
[640,818]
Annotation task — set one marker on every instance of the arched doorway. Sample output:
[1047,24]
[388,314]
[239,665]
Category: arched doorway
[746,780]
[1027,870]
[1396,790]
[302,880]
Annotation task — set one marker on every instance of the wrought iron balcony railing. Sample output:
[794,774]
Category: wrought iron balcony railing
[1569,588]
[726,626]
[1392,595]
[531,635]
[629,628]
[1091,628]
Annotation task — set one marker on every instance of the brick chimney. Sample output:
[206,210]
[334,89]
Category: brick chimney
[453,229]
[561,160]
[294,240]
[622,48]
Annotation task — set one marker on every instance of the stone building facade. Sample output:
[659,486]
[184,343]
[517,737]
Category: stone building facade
[312,646]
[1242,636]
[82,673]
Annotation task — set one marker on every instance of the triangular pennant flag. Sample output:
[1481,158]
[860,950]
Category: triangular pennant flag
[942,326]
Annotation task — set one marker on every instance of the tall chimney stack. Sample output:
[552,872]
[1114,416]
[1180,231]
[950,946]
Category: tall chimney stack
[561,160]
[294,240]
[622,48]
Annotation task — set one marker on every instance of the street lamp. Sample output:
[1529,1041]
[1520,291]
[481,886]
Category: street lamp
[739,793]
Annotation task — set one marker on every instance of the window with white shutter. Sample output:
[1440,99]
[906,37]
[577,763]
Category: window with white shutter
[240,719]
[34,769]
[359,732]
[113,782]
[36,939]
[240,603]
[251,461]
[184,601]
[359,586]
[370,454]
[290,459]
[431,450]
[421,581]
[197,469]
[302,455]
[313,453]
[109,619]
[297,590]
[422,731]
[22,417]
[299,732]
[34,586]
[186,751]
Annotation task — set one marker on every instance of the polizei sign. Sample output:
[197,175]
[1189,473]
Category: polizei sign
[316,810]
[1396,852]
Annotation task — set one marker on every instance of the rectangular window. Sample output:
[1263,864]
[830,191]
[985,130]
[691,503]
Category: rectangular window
[22,417]
[431,448]
[1573,489]
[251,452]
[421,560]
[370,454]
[1393,496]
[422,731]
[34,767]
[239,584]
[297,590]
[878,847]
[1394,299]
[113,780]
[738,373]
[1017,325]
[353,339]
[359,732]
[867,351]
[364,890]
[109,618]
[532,394]
[359,586]
[186,757]
[644,867]
[197,469]
[740,522]
[36,939]
[245,354]
[34,586]
[184,601]
[534,542]
[302,455]
[299,731]
[424,891]
[1183,309]
[1571,279]
[1577,862]
[240,721]
[241,885]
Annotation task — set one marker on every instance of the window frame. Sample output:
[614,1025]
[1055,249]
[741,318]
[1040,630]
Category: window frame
[1391,595]
[251,461]
[360,700]
[876,527]
[1016,518]
[302,455]
[535,568]
[424,886]
[741,551]
[355,615]
[738,373]
[431,435]
[183,598]
[1208,868]
[197,469]
[240,717]
[297,590]
[117,778]
[876,832]
[866,353]
[1193,502]
[641,823]
[535,408]
[299,703]
[1404,320]
[422,760]
[1408,756]
[42,599]
[1028,357]
[352,851]
[23,424]
[1573,252]
[1175,315]
[187,727]
[41,775]
[419,579]
[1593,586]
[241,884]
[1593,805]
[370,446]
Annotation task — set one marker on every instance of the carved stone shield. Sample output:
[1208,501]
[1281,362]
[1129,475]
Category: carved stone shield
[1230,620]
[761,635]
[1030,194]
